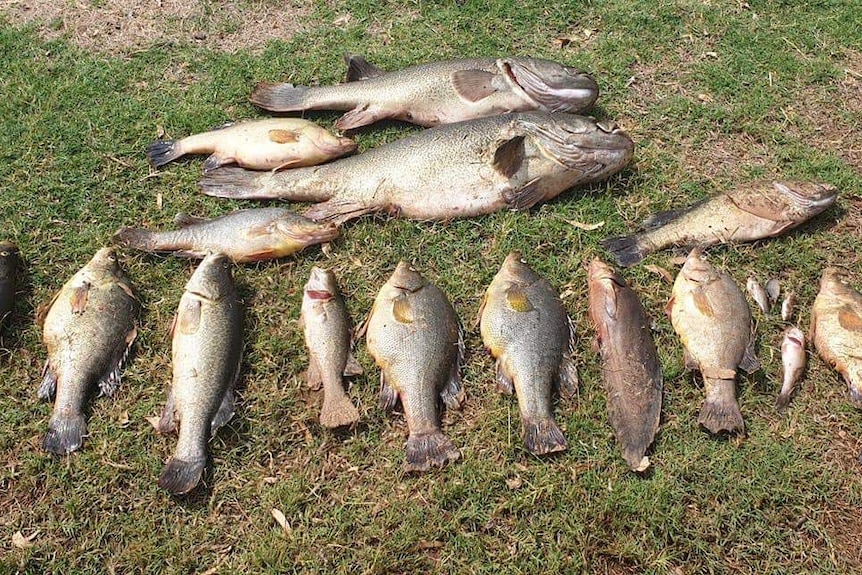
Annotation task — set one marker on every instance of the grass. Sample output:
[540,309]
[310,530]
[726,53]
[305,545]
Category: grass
[713,94]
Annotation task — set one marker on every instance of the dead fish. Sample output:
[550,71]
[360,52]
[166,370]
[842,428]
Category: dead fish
[793,360]
[630,365]
[9,263]
[206,355]
[758,294]
[269,144]
[773,290]
[413,336]
[87,330]
[751,212]
[526,329]
[712,319]
[438,92]
[788,306]
[328,338]
[463,170]
[244,235]
[836,329]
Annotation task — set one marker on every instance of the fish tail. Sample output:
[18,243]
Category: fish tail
[782,402]
[280,97]
[720,411]
[161,152]
[543,436]
[636,459]
[425,450]
[65,434]
[232,183]
[179,476]
[625,249]
[338,411]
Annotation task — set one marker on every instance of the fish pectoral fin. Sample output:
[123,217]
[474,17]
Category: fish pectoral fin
[284,136]
[184,220]
[509,156]
[188,318]
[849,319]
[313,377]
[525,197]
[505,384]
[109,383]
[402,310]
[567,377]
[225,411]
[701,302]
[80,297]
[518,300]
[214,161]
[358,68]
[388,395]
[749,362]
[168,421]
[352,367]
[48,387]
[473,85]
[361,115]
[339,211]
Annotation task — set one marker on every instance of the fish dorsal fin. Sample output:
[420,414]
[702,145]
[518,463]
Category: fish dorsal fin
[402,311]
[388,394]
[660,219]
[757,204]
[352,366]
[509,156]
[701,302]
[80,297]
[517,299]
[749,362]
[225,411]
[185,220]
[283,136]
[505,383]
[189,318]
[222,126]
[525,197]
[473,85]
[849,319]
[358,68]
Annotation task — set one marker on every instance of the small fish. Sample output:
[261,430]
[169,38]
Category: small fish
[751,212]
[244,235]
[773,290]
[9,263]
[439,92]
[270,144]
[630,365]
[712,319]
[758,294]
[328,338]
[87,330]
[788,306]
[793,360]
[206,355]
[836,329]
[413,336]
[526,329]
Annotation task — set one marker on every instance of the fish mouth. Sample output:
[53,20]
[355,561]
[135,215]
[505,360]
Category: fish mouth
[319,285]
[816,197]
[315,233]
[575,91]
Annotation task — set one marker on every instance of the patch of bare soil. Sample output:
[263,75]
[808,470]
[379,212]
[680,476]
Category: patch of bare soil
[120,26]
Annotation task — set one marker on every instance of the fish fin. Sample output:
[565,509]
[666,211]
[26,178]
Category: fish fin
[701,302]
[749,362]
[717,416]
[473,85]
[782,402]
[48,387]
[225,412]
[525,197]
[660,219]
[161,152]
[567,377]
[518,300]
[232,182]
[284,136]
[425,450]
[215,161]
[757,204]
[222,126]
[338,211]
[402,311]
[482,304]
[65,434]
[388,395]
[543,436]
[509,156]
[688,361]
[625,249]
[338,411]
[80,297]
[185,220]
[358,68]
[505,384]
[168,421]
[452,393]
[109,383]
[352,367]
[179,476]
[313,377]
[361,115]
[849,319]
[188,319]
[279,97]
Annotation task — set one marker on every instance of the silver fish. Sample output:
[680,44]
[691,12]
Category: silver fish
[788,306]
[793,361]
[757,293]
[773,290]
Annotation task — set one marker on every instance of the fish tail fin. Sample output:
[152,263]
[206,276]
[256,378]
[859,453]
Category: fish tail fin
[279,97]
[636,459]
[625,249]
[543,436]
[135,238]
[161,152]
[65,434]
[338,211]
[179,476]
[782,402]
[720,411]
[233,183]
[338,411]
[425,450]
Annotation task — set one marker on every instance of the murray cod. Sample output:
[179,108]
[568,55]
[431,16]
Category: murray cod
[630,365]
[414,337]
[438,92]
[526,329]
[329,340]
[88,330]
[206,357]
[243,236]
[712,319]
[751,212]
[269,144]
[458,170]
[9,263]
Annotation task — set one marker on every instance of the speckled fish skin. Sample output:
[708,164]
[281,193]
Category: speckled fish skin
[328,338]
[793,362]
[87,331]
[439,92]
[206,354]
[463,170]
[836,329]
[244,235]
[630,366]
[526,329]
[754,211]
[9,264]
[712,319]
[414,337]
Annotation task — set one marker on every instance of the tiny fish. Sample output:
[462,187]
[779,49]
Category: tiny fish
[788,306]
[793,361]
[758,294]
[773,290]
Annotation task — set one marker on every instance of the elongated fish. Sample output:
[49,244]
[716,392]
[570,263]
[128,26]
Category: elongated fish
[712,319]
[526,329]
[438,92]
[9,263]
[243,236]
[206,356]
[270,144]
[459,170]
[630,365]
[413,336]
[329,340]
[751,212]
[793,361]
[87,330]
[758,293]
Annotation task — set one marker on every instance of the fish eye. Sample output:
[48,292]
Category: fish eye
[112,257]
[4,254]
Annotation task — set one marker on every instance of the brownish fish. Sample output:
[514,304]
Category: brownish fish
[793,361]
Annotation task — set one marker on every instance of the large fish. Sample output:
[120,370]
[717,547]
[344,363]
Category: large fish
[526,329]
[329,340]
[88,330]
[439,92]
[244,235]
[793,360]
[712,319]
[9,262]
[751,212]
[836,329]
[269,144]
[206,356]
[630,365]
[458,170]
[413,336]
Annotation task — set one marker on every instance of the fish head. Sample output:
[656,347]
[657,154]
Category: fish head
[602,284]
[800,201]
[298,232]
[104,264]
[599,271]
[553,86]
[406,279]
[696,269]
[321,286]
[834,280]
[330,145]
[212,279]
[8,259]
[516,270]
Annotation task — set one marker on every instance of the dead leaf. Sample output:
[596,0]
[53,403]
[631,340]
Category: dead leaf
[326,249]
[124,419]
[704,97]
[22,542]
[660,271]
[584,226]
[270,480]
[159,201]
[711,54]
[423,545]
[154,421]
[281,520]
[342,21]
[160,132]
[514,483]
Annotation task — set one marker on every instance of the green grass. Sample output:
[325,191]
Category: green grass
[73,128]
